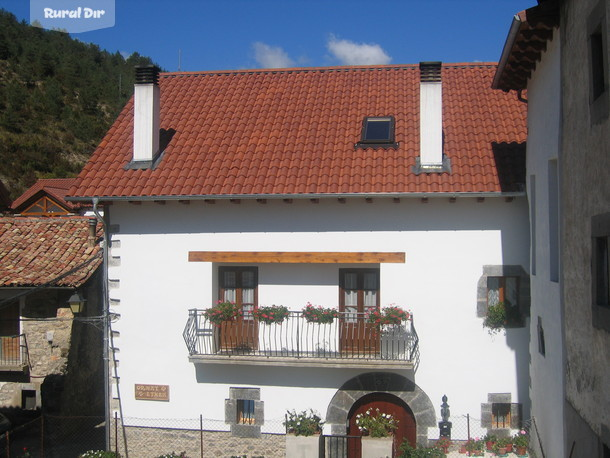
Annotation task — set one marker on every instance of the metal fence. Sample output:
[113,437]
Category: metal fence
[68,437]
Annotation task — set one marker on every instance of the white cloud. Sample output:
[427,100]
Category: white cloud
[351,53]
[271,56]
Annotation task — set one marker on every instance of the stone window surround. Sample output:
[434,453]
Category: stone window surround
[503,271]
[486,415]
[250,394]
[600,227]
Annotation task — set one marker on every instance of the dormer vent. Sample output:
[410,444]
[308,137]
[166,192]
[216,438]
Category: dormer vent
[431,119]
[146,116]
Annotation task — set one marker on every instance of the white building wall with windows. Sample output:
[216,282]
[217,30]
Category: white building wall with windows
[546,339]
[153,285]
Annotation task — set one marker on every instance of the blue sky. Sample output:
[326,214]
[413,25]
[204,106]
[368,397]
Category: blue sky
[237,34]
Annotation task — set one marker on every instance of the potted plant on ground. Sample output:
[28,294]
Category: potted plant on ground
[222,311]
[303,433]
[500,447]
[271,314]
[475,447]
[490,440]
[377,428]
[443,443]
[319,314]
[521,441]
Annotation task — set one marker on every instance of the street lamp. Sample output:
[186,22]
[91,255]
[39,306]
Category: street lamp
[77,303]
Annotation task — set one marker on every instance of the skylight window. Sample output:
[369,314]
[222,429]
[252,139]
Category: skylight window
[377,131]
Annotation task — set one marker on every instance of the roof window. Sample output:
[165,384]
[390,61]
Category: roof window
[377,131]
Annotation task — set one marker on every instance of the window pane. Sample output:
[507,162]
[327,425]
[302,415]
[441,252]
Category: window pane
[377,129]
[245,411]
[229,279]
[511,293]
[493,290]
[370,299]
[247,279]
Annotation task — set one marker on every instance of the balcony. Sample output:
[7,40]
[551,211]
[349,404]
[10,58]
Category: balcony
[348,342]
[14,355]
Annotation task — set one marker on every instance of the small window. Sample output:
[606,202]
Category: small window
[500,416]
[503,289]
[602,271]
[377,131]
[245,412]
[541,342]
[598,80]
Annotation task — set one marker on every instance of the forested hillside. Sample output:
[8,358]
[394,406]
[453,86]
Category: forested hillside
[58,96]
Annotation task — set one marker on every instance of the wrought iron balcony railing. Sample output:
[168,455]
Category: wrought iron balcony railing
[350,341]
[14,354]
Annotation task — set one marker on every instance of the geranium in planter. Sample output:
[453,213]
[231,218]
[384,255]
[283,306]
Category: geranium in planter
[222,311]
[271,314]
[475,447]
[388,315]
[500,316]
[319,314]
[305,423]
[376,423]
[520,441]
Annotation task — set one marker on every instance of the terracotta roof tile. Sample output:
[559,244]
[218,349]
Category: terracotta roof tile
[293,131]
[56,188]
[37,250]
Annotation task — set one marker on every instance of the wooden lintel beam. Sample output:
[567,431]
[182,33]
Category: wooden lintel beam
[297,257]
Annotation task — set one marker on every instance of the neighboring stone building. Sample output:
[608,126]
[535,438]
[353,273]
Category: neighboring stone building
[47,197]
[44,351]
[560,52]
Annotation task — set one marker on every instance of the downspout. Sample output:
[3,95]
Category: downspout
[107,331]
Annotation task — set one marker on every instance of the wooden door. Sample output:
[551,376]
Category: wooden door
[359,295]
[9,334]
[386,403]
[240,286]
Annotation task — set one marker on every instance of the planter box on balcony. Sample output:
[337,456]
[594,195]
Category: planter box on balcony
[302,446]
[376,447]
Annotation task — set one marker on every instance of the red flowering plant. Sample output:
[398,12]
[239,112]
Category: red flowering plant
[271,314]
[388,315]
[319,314]
[222,311]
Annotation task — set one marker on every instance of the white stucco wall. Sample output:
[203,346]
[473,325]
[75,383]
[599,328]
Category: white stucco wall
[446,246]
[547,378]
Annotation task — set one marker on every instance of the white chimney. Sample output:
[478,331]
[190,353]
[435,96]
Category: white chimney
[430,116]
[146,114]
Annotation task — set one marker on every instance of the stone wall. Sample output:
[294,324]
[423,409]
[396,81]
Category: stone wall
[152,442]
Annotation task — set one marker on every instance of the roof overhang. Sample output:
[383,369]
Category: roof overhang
[527,38]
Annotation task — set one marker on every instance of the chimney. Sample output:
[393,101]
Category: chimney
[146,115]
[91,239]
[430,117]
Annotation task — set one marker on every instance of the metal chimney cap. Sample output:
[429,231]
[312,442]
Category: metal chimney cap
[430,71]
[147,74]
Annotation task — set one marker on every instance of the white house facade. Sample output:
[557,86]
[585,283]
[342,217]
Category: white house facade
[358,227]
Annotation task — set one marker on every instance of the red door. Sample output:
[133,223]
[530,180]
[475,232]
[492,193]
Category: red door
[386,403]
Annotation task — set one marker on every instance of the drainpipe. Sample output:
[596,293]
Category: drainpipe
[105,321]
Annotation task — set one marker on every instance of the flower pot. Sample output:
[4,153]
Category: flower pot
[502,451]
[376,447]
[302,446]
[509,448]
[462,449]
[521,450]
[489,445]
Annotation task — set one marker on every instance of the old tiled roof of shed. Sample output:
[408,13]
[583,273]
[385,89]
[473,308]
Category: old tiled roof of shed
[293,131]
[35,251]
[56,188]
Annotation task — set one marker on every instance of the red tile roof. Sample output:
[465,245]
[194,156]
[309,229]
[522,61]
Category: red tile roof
[527,39]
[35,251]
[56,188]
[292,132]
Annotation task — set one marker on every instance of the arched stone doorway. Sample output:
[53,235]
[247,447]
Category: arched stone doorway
[415,398]
[389,404]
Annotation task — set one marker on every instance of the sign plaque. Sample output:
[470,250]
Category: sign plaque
[152,392]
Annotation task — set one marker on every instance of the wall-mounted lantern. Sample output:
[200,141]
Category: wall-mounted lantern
[77,303]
